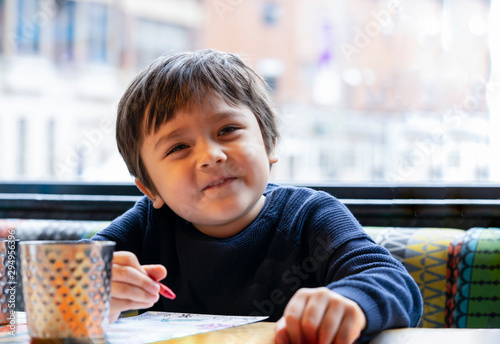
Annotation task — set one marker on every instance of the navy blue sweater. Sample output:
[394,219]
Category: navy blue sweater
[301,238]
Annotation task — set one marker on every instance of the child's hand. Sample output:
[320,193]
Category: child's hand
[133,286]
[320,315]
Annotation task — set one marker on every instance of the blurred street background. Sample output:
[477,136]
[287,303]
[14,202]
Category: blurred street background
[369,91]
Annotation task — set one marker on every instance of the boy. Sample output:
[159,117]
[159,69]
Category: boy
[198,131]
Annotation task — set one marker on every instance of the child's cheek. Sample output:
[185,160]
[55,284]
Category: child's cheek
[185,211]
[253,150]
[248,157]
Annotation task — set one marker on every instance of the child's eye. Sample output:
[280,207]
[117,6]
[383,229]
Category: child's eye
[176,148]
[227,130]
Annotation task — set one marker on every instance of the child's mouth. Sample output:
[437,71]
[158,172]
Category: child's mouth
[219,183]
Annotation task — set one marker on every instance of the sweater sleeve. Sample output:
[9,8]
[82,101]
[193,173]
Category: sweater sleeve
[359,269]
[128,229]
[368,275]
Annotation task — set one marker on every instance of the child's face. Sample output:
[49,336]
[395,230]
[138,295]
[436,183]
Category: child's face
[210,166]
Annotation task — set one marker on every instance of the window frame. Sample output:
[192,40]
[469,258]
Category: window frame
[450,206]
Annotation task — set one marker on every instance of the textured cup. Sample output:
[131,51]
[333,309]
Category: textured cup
[8,272]
[66,287]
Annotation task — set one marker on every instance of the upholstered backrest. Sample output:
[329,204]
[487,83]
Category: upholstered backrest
[473,284]
[424,253]
[31,229]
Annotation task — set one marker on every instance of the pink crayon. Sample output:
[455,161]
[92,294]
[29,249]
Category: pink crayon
[166,291]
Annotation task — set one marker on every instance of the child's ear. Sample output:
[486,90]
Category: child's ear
[155,198]
[272,156]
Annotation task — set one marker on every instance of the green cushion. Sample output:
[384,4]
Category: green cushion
[473,283]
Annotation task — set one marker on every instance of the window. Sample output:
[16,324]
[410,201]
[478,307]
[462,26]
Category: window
[271,12]
[97,22]
[2,20]
[21,157]
[155,38]
[64,32]
[30,18]
[369,91]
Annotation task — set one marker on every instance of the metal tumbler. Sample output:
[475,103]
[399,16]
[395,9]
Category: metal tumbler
[8,285]
[66,287]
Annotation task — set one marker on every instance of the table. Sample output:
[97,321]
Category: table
[256,333]
[263,333]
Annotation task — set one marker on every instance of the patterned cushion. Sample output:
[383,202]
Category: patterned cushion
[424,253]
[50,229]
[473,283]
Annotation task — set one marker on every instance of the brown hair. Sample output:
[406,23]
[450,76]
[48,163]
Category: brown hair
[177,81]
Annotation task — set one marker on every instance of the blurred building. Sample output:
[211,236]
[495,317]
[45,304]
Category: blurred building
[388,91]
[371,90]
[63,66]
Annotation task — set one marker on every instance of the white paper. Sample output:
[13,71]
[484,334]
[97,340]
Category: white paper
[151,327]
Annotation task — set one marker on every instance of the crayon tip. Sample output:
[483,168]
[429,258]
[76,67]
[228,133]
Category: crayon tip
[166,292]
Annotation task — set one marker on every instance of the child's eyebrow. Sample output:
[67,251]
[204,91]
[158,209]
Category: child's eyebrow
[170,136]
[225,114]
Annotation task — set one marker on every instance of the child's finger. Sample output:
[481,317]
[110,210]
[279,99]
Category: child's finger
[127,259]
[129,276]
[348,331]
[329,326]
[280,332]
[128,291]
[293,314]
[127,269]
[313,315]
[349,324]
[113,315]
[132,285]
[157,272]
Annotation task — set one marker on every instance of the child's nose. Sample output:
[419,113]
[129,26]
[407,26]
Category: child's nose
[210,155]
